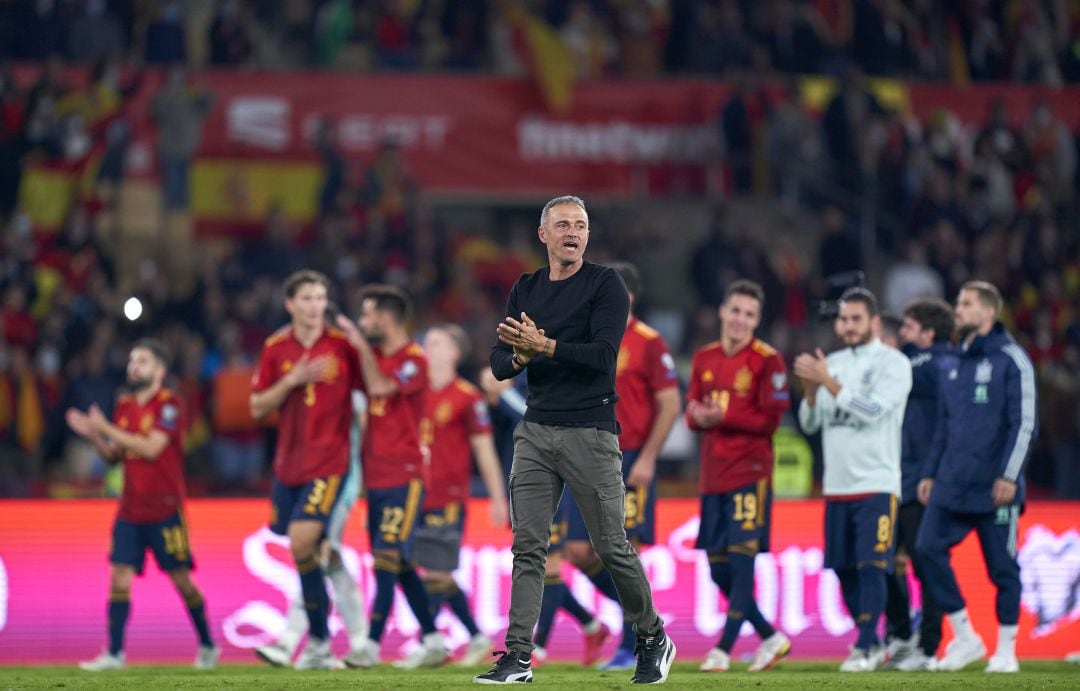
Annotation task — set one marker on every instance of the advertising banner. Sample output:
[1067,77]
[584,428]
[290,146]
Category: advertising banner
[479,136]
[54,584]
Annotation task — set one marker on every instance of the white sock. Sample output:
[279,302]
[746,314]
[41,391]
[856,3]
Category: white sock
[1006,646]
[296,625]
[349,606]
[592,627]
[961,624]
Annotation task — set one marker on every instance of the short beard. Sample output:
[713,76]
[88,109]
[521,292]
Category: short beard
[863,340]
[137,385]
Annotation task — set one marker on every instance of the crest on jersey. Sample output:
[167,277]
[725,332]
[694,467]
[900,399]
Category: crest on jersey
[707,376]
[744,379]
[286,366]
[147,422]
[443,412]
[984,372]
[332,368]
[169,415]
[408,371]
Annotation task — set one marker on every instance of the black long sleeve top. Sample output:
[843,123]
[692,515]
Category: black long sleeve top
[586,315]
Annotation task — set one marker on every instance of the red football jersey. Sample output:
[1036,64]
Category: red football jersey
[313,431]
[153,487]
[452,416]
[644,368]
[391,448]
[751,388]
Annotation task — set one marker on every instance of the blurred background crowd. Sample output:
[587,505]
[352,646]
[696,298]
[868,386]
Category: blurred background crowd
[1020,40]
[811,198]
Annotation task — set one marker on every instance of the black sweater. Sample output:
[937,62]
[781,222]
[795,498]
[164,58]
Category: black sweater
[586,315]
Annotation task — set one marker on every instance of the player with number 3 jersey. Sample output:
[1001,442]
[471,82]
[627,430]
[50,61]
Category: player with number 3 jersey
[307,372]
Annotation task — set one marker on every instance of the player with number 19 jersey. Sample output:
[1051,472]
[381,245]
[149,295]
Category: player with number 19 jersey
[751,389]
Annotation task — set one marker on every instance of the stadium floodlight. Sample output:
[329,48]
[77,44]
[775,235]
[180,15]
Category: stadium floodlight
[133,308]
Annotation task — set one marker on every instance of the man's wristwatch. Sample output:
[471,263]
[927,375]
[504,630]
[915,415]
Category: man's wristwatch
[517,360]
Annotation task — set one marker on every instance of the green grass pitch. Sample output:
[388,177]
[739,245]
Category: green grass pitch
[790,675]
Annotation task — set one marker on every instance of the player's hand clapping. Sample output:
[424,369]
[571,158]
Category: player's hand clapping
[78,421]
[812,369]
[705,414]
[96,419]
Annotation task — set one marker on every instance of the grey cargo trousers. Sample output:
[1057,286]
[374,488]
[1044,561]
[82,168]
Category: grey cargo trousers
[588,461]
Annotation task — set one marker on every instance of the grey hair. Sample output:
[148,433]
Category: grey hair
[565,199]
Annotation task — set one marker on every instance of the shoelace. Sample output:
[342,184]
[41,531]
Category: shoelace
[505,658]
[647,650]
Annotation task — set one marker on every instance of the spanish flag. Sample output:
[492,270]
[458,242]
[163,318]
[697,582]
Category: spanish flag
[547,57]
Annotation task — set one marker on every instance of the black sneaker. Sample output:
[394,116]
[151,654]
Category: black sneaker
[654,657]
[513,667]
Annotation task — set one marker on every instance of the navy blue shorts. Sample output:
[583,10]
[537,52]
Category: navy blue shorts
[167,539]
[438,537]
[860,532]
[311,501]
[640,509]
[742,516]
[392,515]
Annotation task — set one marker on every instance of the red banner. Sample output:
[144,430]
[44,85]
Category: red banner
[54,584]
[487,136]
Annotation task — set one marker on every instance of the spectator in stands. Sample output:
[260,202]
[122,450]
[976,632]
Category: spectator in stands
[839,252]
[335,168]
[230,38]
[165,34]
[95,33]
[179,111]
[239,451]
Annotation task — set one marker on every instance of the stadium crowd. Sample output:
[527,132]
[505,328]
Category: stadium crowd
[1001,39]
[994,200]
